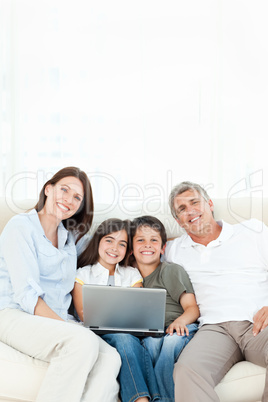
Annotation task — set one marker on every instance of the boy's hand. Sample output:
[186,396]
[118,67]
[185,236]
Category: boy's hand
[179,326]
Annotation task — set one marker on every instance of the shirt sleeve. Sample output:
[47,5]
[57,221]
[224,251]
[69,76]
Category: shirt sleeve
[19,254]
[82,275]
[176,281]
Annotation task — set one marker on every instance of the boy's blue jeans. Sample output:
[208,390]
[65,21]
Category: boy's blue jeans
[136,377]
[164,353]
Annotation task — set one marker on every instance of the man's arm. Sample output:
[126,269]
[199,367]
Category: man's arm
[260,320]
[190,315]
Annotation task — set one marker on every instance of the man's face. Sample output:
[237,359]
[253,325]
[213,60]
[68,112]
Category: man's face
[194,213]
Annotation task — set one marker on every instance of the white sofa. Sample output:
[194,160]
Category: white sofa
[21,376]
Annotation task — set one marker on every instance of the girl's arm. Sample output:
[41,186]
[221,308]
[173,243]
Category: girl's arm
[190,315]
[42,309]
[78,300]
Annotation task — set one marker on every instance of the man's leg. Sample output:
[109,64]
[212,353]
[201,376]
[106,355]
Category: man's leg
[254,348]
[203,363]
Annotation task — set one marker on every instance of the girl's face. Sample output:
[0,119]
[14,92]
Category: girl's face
[64,198]
[112,248]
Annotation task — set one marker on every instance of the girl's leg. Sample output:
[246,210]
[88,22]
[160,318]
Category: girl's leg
[70,350]
[136,377]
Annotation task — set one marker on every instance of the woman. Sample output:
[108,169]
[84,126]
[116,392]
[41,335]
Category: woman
[37,271]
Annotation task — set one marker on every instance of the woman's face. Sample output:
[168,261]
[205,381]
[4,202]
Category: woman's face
[64,198]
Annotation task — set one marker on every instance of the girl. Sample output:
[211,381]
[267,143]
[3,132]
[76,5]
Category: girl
[104,263]
[37,270]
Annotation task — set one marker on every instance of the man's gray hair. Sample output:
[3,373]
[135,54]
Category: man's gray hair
[181,188]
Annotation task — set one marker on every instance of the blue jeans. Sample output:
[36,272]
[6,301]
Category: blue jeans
[164,353]
[136,377]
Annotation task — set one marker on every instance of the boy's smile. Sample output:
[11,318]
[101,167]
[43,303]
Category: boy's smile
[147,246]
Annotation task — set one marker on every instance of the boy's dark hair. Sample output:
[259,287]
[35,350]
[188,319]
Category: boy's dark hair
[152,222]
[90,255]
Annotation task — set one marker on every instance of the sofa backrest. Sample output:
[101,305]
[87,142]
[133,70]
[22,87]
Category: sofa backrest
[232,210]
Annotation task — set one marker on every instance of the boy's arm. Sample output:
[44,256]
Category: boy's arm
[78,300]
[190,315]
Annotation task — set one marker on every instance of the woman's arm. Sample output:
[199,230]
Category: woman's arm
[78,300]
[42,309]
[190,315]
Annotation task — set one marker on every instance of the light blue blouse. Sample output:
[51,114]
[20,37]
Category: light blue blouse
[30,266]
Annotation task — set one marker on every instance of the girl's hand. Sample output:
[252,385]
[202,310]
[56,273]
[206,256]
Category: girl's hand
[179,326]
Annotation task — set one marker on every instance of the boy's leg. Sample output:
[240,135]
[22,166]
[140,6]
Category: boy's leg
[203,363]
[70,350]
[136,376]
[153,346]
[169,353]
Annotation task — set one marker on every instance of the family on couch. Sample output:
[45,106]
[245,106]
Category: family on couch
[227,265]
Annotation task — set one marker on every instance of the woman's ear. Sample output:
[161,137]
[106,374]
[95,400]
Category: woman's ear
[47,188]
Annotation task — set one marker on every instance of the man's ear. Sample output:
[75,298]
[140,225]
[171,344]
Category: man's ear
[211,205]
[163,249]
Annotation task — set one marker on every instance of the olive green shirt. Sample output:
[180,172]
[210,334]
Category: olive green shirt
[175,280]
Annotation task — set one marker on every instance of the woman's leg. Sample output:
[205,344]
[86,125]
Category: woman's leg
[102,384]
[70,350]
[136,376]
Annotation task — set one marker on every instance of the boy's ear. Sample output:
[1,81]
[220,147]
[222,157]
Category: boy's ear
[163,249]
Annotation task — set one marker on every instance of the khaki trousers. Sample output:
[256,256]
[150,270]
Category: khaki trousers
[82,367]
[211,353]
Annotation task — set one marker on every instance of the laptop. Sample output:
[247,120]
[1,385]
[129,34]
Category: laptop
[113,309]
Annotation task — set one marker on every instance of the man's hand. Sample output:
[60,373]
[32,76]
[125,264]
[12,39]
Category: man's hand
[179,326]
[260,320]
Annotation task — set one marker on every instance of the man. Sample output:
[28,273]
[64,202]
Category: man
[228,267]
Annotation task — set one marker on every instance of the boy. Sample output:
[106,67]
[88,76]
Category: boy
[148,242]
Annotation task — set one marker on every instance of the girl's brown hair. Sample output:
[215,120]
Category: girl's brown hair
[81,221]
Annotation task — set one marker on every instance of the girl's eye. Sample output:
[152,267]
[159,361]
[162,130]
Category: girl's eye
[64,189]
[78,198]
[123,245]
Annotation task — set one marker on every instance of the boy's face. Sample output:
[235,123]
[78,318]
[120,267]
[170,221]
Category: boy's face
[147,246]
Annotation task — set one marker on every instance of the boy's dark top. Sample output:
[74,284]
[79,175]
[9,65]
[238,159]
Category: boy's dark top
[175,280]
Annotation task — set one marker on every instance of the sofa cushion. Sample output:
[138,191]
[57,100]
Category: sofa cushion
[243,383]
[20,375]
